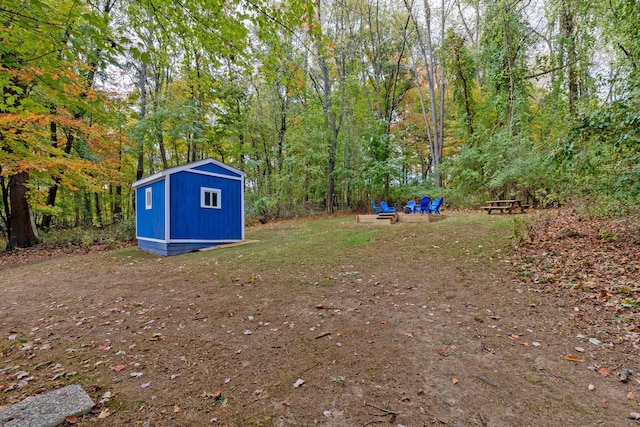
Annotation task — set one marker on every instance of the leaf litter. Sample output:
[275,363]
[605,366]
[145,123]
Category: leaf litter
[595,264]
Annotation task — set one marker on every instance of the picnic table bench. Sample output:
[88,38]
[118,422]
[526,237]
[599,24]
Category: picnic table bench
[508,206]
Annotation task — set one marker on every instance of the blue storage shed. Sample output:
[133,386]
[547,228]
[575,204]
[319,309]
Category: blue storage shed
[190,207]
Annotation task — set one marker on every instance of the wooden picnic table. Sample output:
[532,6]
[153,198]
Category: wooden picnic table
[509,206]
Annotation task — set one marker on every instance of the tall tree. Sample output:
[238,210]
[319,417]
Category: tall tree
[458,60]
[506,37]
[330,74]
[43,63]
[435,82]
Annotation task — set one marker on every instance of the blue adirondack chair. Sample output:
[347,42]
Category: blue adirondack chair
[376,209]
[411,207]
[424,204]
[434,207]
[386,208]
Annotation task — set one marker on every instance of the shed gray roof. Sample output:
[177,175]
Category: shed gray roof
[162,174]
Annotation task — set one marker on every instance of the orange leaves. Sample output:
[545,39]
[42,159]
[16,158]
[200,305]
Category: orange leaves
[605,371]
[604,294]
[15,123]
[573,358]
[27,146]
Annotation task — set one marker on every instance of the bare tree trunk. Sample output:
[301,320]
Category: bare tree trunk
[53,190]
[282,128]
[567,23]
[6,213]
[425,118]
[116,209]
[438,154]
[437,111]
[22,227]
[143,113]
[163,152]
[88,212]
[332,123]
[96,199]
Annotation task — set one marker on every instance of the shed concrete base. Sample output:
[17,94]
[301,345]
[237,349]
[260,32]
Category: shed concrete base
[229,245]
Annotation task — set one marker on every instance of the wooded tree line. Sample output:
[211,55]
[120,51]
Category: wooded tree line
[324,104]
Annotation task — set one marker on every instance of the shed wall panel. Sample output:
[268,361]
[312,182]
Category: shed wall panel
[150,223]
[190,221]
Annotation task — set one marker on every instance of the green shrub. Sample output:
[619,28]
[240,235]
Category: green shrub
[125,230]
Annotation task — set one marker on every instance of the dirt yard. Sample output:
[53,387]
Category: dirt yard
[335,323]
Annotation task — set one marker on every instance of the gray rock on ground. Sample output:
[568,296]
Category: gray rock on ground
[47,410]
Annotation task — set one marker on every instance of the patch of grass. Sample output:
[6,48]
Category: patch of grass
[309,242]
[608,234]
[326,241]
[133,253]
[315,252]
[338,379]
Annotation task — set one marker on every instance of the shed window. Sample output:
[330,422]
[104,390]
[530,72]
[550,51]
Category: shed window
[147,198]
[210,198]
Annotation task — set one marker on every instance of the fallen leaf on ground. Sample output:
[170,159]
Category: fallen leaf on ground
[118,368]
[104,414]
[604,371]
[105,397]
[454,381]
[71,419]
[176,409]
[573,358]
[208,395]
